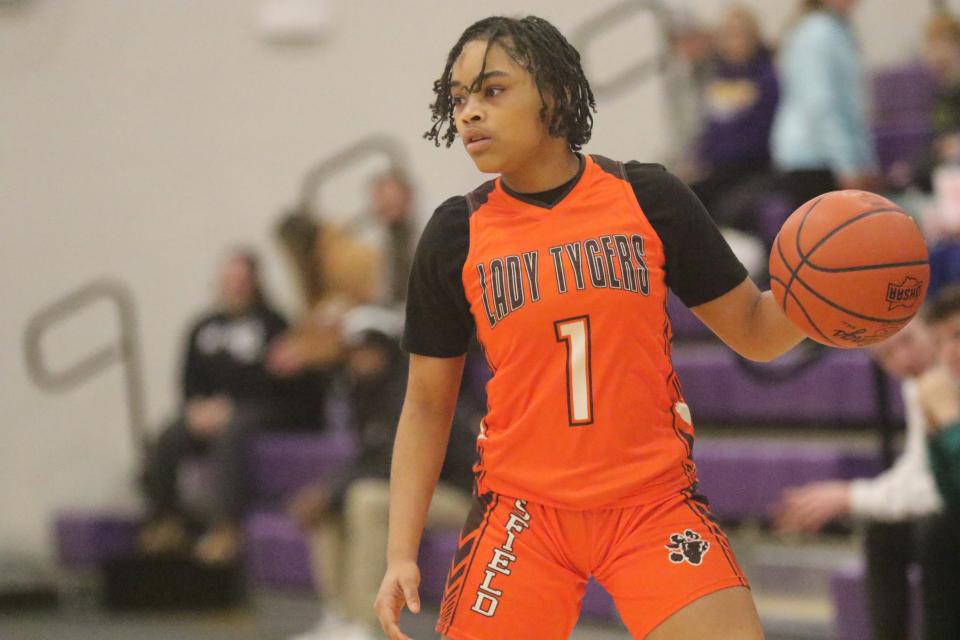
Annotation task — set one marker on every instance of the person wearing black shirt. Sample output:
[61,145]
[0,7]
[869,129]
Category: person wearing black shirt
[346,519]
[228,394]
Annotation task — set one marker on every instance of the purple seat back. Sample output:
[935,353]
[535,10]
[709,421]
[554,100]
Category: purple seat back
[85,538]
[277,554]
[838,388]
[686,326]
[903,94]
[436,557]
[745,478]
[903,99]
[282,463]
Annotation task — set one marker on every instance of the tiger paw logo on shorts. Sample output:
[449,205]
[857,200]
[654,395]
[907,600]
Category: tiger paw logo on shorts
[687,547]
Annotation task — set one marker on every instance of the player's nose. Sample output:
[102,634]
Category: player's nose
[472,109]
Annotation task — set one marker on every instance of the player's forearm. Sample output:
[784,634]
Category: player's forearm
[750,322]
[418,453]
[773,333]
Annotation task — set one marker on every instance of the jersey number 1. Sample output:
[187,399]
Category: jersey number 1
[575,333]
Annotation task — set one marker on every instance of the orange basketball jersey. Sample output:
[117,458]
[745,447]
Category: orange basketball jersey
[568,302]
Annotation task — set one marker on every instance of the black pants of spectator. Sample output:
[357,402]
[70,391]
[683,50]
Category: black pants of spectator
[721,184]
[889,551]
[940,560]
[801,186]
[228,453]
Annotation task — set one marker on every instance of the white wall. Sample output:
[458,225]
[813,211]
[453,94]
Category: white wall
[140,139]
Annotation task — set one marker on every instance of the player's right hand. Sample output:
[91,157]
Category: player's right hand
[399,588]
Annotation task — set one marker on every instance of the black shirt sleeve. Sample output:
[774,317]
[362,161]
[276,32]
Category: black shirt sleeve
[439,322]
[700,265]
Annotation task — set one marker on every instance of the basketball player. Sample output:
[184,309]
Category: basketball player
[562,265]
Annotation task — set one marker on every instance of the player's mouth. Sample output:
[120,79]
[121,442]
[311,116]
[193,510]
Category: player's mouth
[476,141]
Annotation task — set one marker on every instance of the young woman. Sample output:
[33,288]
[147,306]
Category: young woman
[561,265]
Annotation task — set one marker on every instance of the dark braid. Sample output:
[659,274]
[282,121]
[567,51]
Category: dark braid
[537,46]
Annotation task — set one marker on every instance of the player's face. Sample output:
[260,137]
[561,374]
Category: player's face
[908,353]
[947,333]
[499,122]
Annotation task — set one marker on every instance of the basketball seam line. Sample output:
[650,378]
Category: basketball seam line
[871,267]
[796,301]
[793,272]
[805,259]
[852,313]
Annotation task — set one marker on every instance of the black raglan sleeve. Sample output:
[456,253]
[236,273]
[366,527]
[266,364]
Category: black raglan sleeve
[438,321]
[700,266]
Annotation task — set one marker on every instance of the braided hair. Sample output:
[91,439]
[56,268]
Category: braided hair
[537,46]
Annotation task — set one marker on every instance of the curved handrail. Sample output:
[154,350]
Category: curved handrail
[323,170]
[611,17]
[125,352]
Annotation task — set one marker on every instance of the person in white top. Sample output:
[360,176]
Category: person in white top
[892,503]
[906,491]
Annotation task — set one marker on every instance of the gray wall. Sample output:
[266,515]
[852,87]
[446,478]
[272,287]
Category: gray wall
[139,139]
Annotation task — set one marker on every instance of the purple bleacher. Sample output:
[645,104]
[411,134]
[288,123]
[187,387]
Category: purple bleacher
[686,326]
[436,556]
[282,463]
[597,603]
[850,613]
[903,93]
[903,99]
[86,537]
[848,589]
[773,211]
[744,478]
[277,553]
[729,477]
[904,142]
[278,556]
[838,388]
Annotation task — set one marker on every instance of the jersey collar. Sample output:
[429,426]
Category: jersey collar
[522,197]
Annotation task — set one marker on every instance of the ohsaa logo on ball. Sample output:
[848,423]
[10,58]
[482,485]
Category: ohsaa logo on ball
[904,294]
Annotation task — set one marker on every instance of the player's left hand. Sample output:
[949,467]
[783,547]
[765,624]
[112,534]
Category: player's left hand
[939,397]
[808,508]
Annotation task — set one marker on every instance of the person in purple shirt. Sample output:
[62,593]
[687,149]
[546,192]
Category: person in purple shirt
[740,101]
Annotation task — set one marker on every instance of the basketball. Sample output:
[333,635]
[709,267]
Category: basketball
[850,268]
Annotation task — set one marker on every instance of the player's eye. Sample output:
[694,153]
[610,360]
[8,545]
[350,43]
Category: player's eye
[492,92]
[457,100]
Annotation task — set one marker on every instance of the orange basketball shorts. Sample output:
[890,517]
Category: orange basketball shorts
[521,569]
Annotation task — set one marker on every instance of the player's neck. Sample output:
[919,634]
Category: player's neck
[546,171]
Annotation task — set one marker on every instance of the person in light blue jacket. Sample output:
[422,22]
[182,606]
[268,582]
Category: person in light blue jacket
[820,140]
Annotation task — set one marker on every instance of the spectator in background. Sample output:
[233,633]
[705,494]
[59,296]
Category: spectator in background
[740,100]
[942,56]
[820,139]
[228,395]
[339,268]
[335,273]
[346,520]
[938,392]
[685,73]
[904,493]
[391,206]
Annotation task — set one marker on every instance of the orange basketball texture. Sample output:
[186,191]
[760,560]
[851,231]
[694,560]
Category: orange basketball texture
[849,268]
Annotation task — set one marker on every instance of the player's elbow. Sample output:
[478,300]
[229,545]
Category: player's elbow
[756,350]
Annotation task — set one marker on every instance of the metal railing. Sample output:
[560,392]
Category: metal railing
[639,70]
[126,351]
[320,173]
